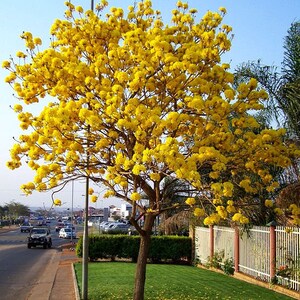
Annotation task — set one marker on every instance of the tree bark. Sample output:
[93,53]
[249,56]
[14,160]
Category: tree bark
[140,275]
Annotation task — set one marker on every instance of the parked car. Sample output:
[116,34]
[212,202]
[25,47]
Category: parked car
[67,233]
[26,227]
[59,226]
[104,224]
[39,236]
[117,228]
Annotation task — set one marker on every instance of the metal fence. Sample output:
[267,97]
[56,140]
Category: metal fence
[288,256]
[254,258]
[253,251]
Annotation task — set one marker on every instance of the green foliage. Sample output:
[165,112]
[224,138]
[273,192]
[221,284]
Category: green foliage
[170,247]
[79,247]
[228,266]
[130,247]
[162,248]
[14,210]
[217,261]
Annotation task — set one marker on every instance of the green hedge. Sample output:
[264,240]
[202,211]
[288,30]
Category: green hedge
[173,249]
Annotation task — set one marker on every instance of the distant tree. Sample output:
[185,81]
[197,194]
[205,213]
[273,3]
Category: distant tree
[17,209]
[135,101]
[2,211]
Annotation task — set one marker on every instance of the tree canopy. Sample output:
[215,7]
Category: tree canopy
[14,209]
[134,100]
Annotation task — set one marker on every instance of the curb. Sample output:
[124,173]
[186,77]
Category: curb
[76,289]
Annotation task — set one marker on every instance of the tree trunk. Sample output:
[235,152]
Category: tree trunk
[140,274]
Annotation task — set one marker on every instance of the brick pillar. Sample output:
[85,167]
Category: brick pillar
[236,249]
[272,251]
[211,241]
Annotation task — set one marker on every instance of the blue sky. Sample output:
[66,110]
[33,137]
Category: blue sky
[259,29]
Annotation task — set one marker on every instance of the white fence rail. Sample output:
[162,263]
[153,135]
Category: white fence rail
[253,251]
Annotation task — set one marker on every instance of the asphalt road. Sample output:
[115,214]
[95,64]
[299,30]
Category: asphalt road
[20,267]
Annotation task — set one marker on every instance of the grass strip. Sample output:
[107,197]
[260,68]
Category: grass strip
[115,281]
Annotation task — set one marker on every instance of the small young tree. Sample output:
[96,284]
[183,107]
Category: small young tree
[134,101]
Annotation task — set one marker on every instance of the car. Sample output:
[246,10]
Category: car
[59,226]
[67,233]
[104,224]
[26,227]
[39,236]
[117,228]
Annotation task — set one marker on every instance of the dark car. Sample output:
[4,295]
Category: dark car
[39,236]
[26,227]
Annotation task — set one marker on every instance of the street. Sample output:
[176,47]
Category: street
[20,267]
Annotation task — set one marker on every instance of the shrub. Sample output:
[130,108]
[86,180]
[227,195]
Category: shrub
[228,266]
[162,248]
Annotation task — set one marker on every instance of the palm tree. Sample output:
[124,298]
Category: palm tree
[283,88]
[291,79]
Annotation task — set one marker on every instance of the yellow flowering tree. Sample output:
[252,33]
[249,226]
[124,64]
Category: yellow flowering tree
[128,101]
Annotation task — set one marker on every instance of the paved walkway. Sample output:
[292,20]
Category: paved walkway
[64,282]
[58,280]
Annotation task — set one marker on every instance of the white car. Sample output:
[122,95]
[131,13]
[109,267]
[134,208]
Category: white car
[67,233]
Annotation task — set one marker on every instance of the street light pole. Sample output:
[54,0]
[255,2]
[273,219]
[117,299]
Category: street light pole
[72,218]
[85,246]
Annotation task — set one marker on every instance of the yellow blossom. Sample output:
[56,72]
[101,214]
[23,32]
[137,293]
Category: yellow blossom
[94,198]
[190,201]
[137,169]
[199,212]
[135,196]
[278,211]
[6,64]
[155,176]
[18,108]
[269,203]
[57,202]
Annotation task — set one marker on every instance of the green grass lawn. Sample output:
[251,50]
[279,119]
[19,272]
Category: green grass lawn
[115,280]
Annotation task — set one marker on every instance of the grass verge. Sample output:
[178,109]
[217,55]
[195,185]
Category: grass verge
[115,281]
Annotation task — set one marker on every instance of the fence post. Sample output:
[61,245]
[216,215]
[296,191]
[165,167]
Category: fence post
[236,249]
[211,241]
[272,250]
